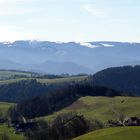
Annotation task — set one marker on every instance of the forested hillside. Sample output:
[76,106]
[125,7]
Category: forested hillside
[54,101]
[125,79]
[25,89]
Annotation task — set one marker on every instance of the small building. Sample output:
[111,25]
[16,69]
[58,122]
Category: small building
[22,127]
[133,121]
[2,121]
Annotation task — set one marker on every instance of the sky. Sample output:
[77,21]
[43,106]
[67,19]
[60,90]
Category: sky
[70,20]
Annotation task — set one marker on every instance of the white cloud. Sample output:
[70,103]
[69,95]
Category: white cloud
[17,7]
[11,1]
[94,10]
[52,20]
[12,33]
[43,19]
[23,1]
[8,8]
[10,11]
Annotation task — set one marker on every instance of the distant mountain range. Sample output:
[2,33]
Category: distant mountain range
[70,57]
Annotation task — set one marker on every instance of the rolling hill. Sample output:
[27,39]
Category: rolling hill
[4,106]
[10,133]
[102,108]
[119,133]
[46,80]
[95,107]
[14,90]
[10,74]
[126,78]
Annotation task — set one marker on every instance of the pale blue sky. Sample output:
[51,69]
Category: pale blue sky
[70,20]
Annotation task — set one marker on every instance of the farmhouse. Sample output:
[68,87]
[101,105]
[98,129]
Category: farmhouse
[22,127]
[133,121]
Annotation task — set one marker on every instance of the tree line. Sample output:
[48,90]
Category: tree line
[25,89]
[61,98]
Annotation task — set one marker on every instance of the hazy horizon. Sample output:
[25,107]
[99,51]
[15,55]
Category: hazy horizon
[38,40]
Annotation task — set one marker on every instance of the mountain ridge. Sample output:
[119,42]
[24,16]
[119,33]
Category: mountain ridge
[88,57]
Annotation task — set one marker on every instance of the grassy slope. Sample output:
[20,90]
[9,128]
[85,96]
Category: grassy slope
[118,133]
[47,81]
[62,80]
[10,133]
[8,73]
[4,108]
[3,128]
[11,81]
[102,107]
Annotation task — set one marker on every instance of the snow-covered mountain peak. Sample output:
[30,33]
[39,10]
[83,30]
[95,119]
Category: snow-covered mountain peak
[87,44]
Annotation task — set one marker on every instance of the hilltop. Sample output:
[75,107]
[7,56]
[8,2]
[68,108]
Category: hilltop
[102,108]
[126,79]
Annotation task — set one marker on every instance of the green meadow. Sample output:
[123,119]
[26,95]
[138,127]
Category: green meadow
[118,133]
[102,108]
[4,129]
[4,108]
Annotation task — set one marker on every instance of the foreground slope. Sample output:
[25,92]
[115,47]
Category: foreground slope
[119,133]
[103,108]
[4,108]
[10,133]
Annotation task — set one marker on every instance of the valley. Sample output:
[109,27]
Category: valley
[69,70]
[43,103]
